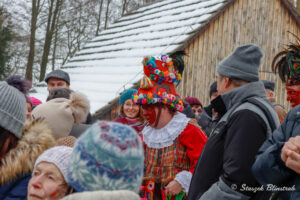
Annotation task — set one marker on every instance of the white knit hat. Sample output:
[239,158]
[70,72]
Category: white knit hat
[60,156]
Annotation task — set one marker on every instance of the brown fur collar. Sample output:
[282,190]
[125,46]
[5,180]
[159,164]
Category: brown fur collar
[20,160]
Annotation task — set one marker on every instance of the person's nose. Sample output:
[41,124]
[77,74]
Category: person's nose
[37,182]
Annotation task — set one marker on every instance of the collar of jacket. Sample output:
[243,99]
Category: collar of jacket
[19,161]
[208,110]
[224,102]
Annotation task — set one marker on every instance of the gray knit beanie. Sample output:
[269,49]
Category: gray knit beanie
[12,109]
[242,64]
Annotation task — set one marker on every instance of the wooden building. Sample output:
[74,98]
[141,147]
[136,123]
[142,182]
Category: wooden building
[263,22]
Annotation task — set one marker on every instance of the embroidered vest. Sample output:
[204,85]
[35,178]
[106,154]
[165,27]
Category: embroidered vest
[163,164]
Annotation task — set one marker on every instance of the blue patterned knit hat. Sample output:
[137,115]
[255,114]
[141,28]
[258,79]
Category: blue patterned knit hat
[108,156]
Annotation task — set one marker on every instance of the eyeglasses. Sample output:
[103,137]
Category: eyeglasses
[131,105]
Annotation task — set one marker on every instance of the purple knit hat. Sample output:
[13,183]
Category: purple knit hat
[193,101]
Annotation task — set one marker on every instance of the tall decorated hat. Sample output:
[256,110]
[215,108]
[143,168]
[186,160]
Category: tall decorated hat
[157,85]
[287,63]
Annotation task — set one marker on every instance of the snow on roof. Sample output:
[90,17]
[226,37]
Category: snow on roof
[111,62]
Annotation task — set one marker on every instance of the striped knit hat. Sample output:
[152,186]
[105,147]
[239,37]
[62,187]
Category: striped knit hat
[108,156]
[12,109]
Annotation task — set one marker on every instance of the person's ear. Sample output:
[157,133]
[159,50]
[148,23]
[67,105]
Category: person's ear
[227,82]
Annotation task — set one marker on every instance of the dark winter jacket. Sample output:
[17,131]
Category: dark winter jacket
[206,121]
[17,165]
[226,160]
[16,189]
[78,129]
[269,168]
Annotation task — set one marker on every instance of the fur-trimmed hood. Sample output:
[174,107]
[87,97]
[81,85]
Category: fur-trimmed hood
[19,161]
[104,195]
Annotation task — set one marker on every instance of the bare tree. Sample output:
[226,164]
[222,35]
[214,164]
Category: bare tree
[124,6]
[148,1]
[99,17]
[35,12]
[54,8]
[107,14]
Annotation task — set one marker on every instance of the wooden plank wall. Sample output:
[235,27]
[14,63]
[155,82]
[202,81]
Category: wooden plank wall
[263,22]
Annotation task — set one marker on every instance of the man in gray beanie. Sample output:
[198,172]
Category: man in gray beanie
[57,78]
[223,170]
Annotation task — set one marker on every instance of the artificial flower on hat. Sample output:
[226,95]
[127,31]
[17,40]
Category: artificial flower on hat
[157,85]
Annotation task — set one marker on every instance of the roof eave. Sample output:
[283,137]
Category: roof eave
[287,4]
[107,108]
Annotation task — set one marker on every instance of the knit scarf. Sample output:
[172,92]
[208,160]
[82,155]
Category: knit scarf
[134,123]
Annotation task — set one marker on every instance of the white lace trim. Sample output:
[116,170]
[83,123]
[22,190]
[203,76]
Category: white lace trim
[184,179]
[164,137]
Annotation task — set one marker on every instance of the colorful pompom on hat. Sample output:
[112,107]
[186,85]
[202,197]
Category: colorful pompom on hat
[157,86]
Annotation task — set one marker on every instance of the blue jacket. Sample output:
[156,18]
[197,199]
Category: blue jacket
[269,169]
[15,190]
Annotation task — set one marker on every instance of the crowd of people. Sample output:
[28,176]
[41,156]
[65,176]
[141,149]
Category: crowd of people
[241,146]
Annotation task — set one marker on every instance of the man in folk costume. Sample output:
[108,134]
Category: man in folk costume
[172,143]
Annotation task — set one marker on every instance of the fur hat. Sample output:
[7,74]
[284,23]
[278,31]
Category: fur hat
[61,113]
[108,156]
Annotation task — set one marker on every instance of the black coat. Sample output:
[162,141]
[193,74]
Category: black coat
[222,155]
[230,150]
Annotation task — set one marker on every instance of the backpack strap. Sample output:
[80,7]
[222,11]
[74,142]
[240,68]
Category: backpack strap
[265,110]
